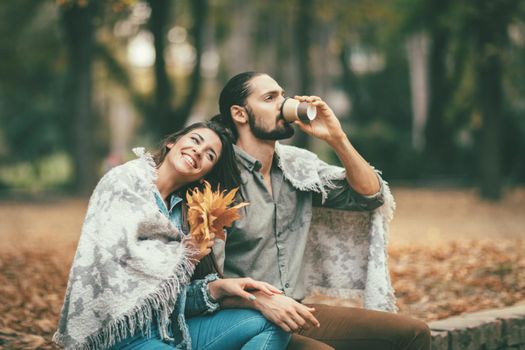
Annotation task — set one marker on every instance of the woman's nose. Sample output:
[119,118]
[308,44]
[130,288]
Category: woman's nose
[197,151]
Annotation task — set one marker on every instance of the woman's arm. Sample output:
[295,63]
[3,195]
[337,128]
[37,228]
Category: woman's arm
[203,296]
[240,287]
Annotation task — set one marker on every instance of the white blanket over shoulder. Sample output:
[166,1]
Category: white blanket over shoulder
[346,253]
[129,265]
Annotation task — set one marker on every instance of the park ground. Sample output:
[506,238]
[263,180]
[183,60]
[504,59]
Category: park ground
[449,251]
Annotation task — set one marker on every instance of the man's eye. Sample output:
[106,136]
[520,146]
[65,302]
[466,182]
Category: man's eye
[269,98]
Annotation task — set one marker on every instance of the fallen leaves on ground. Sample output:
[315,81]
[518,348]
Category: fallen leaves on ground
[32,286]
[430,282]
[449,279]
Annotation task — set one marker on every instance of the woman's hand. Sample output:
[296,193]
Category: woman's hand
[230,287]
[198,250]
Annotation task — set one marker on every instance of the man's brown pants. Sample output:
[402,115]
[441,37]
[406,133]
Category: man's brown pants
[354,328]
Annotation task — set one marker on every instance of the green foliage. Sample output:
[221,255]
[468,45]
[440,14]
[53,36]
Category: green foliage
[383,133]
[32,70]
[389,150]
[52,172]
[35,124]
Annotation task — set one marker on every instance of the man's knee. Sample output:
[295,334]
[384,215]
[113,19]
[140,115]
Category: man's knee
[417,327]
[422,332]
[416,334]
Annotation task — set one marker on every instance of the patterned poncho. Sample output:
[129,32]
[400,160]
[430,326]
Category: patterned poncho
[346,253]
[129,266]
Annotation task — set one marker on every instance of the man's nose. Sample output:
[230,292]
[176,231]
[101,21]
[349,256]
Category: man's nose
[281,99]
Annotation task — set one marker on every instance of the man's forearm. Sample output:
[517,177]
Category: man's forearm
[359,174]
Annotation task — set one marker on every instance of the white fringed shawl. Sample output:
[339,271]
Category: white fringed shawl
[346,252]
[129,265]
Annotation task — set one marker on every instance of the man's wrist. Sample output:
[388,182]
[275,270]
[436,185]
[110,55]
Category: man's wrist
[258,303]
[337,140]
[237,302]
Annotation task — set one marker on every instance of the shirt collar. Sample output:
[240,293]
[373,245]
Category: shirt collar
[247,160]
[173,199]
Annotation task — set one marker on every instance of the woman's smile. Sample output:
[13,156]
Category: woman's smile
[190,160]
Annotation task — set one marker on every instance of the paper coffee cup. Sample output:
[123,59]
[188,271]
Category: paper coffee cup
[291,110]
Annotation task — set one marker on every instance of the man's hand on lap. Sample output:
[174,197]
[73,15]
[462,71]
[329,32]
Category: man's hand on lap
[285,312]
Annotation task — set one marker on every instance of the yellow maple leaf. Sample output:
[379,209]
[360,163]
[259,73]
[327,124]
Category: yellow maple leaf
[210,212]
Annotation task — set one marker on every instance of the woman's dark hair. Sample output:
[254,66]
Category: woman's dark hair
[235,92]
[225,172]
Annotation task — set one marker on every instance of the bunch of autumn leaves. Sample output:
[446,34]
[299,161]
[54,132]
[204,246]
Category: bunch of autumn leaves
[210,212]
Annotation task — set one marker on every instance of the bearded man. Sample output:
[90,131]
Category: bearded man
[282,184]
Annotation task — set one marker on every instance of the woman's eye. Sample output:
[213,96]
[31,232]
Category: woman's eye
[211,157]
[196,140]
[269,98]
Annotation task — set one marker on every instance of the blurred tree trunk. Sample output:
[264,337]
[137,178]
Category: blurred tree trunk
[78,26]
[417,53]
[490,40]
[239,55]
[283,64]
[438,134]
[168,118]
[350,83]
[158,24]
[490,99]
[199,12]
[303,33]
[281,50]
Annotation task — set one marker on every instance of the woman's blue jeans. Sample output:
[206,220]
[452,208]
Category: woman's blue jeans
[228,329]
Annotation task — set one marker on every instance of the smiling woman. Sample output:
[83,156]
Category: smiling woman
[131,283]
[191,153]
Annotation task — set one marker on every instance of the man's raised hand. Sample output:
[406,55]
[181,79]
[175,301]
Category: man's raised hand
[325,126]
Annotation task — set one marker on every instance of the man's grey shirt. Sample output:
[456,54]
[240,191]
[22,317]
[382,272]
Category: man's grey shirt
[268,242]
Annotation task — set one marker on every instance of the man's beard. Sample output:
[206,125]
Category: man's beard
[278,133]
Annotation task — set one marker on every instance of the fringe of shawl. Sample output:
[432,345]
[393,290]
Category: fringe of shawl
[312,186]
[158,305]
[380,221]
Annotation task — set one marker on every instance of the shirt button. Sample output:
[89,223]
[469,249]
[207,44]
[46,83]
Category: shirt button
[287,285]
